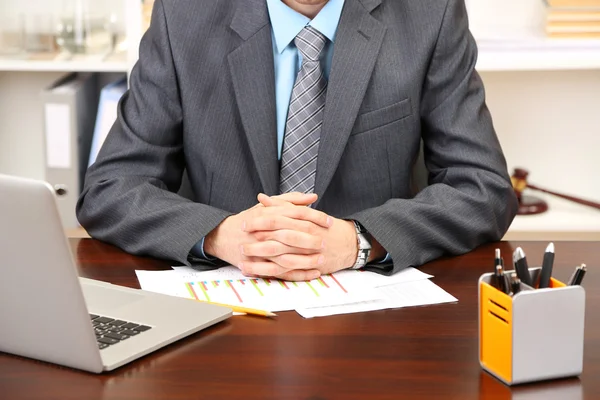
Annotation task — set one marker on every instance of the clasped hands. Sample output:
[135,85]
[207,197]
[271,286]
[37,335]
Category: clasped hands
[281,237]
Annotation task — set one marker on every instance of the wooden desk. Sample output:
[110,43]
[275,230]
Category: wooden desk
[422,352]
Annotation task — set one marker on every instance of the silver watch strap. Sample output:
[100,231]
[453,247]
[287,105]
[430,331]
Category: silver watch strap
[364,246]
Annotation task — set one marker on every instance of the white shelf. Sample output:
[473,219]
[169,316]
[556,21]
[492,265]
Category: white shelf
[537,54]
[65,63]
[562,216]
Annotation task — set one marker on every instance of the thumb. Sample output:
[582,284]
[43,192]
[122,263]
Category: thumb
[296,198]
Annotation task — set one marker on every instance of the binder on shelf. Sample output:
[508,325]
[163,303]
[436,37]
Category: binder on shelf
[69,113]
[107,114]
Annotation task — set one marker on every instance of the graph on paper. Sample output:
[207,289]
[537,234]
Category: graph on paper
[228,285]
[262,293]
[271,294]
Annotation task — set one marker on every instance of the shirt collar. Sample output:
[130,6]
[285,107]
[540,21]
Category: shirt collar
[288,23]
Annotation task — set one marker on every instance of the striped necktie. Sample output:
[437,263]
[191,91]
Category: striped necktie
[305,117]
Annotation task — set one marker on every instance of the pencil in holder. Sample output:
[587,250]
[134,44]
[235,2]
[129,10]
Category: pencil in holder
[534,335]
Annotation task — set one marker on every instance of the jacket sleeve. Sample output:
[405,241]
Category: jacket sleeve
[469,199]
[129,196]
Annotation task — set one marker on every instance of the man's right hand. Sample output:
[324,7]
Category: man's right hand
[291,223]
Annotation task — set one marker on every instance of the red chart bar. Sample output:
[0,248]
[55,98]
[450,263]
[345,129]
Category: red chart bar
[338,283]
[230,284]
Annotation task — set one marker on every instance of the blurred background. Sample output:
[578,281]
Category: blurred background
[64,65]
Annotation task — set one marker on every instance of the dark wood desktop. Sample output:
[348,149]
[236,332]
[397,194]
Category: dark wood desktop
[426,352]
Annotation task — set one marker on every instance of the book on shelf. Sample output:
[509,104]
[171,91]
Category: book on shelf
[573,19]
[147,6]
[581,26]
[572,16]
[589,4]
[573,35]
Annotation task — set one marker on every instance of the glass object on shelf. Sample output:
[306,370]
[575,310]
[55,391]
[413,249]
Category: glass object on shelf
[12,35]
[40,34]
[81,29]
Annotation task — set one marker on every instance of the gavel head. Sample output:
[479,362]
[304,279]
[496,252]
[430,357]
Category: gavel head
[519,181]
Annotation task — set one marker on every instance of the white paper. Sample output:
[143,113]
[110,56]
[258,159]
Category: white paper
[342,292]
[228,272]
[58,135]
[416,293]
[362,278]
[261,293]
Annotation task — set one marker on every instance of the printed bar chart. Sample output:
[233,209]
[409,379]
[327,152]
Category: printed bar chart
[269,294]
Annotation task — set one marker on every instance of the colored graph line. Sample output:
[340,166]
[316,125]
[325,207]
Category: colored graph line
[230,284]
[203,284]
[215,284]
[254,283]
[284,285]
[313,289]
[191,290]
[338,283]
[267,281]
[204,290]
[242,281]
[320,279]
[295,284]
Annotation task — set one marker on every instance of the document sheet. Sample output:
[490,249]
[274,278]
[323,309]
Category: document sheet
[343,292]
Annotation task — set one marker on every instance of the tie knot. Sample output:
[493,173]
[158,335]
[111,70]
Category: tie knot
[310,42]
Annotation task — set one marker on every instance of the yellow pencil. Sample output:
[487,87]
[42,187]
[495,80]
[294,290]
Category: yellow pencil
[245,310]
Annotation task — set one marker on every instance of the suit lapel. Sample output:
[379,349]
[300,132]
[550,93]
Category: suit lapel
[358,40]
[253,76]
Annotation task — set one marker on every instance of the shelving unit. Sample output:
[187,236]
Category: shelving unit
[117,63]
[564,220]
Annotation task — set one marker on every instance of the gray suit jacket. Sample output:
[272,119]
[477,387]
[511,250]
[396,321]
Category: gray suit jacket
[202,99]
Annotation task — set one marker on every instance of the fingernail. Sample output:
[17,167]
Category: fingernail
[321,260]
[329,221]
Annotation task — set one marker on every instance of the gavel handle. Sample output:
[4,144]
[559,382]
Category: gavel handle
[564,196]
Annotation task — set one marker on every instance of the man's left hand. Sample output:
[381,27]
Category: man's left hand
[340,247]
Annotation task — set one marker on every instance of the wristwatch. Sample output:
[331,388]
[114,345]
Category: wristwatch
[364,246]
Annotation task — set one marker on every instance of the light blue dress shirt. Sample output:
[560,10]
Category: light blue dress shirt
[286,25]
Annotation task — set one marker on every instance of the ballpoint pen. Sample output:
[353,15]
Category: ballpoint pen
[521,266]
[546,273]
[578,275]
[515,284]
[498,259]
[501,283]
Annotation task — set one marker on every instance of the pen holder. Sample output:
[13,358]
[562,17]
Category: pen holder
[534,335]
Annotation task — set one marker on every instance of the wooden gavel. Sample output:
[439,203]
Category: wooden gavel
[519,183]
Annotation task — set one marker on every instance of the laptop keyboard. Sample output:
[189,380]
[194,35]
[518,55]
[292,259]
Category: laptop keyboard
[110,331]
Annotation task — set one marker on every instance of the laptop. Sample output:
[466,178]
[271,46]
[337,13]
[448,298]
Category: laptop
[49,314]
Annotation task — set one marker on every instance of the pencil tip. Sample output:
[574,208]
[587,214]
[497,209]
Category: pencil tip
[550,248]
[270,314]
[497,253]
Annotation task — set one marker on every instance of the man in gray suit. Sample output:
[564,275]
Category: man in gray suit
[299,124]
